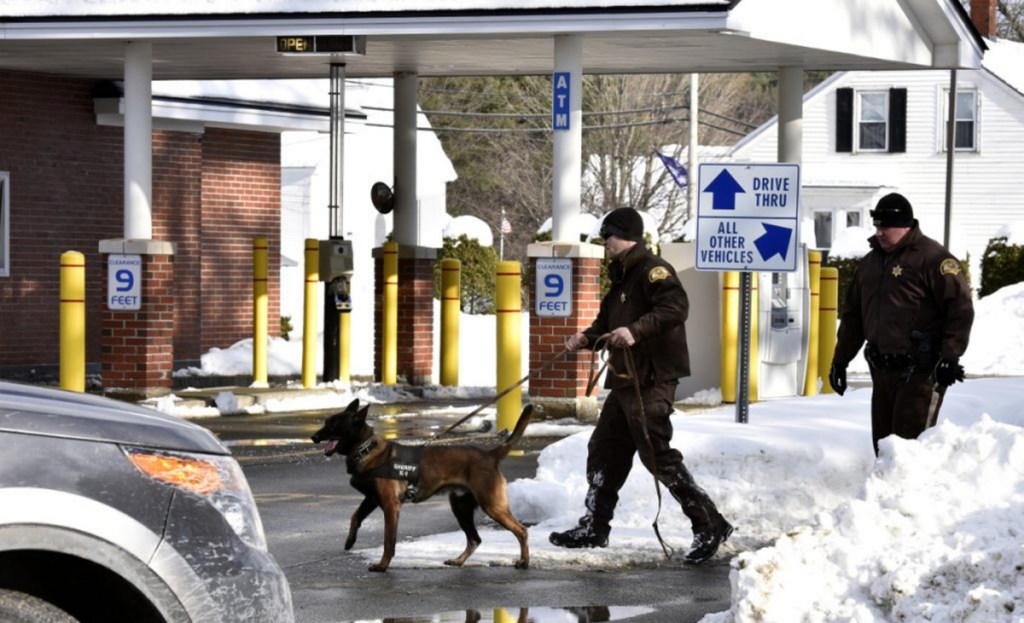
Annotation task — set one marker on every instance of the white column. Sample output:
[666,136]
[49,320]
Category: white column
[138,140]
[337,151]
[406,230]
[791,114]
[568,144]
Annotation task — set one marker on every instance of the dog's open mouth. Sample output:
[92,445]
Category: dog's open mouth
[332,447]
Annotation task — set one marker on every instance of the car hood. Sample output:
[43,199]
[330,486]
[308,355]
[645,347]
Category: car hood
[47,411]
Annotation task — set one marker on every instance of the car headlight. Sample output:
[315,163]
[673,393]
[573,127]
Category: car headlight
[219,479]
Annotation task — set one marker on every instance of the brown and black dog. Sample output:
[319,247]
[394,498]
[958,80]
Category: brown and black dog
[388,474]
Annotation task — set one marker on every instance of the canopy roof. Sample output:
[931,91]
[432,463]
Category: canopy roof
[199,39]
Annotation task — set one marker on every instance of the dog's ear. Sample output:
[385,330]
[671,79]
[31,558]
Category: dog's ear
[352,406]
[361,415]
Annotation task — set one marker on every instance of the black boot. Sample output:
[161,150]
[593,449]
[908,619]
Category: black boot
[706,541]
[710,529]
[587,534]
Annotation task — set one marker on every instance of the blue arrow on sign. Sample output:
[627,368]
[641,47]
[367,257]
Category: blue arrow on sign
[723,190]
[775,240]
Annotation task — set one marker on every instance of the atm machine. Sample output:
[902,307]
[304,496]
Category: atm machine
[784,309]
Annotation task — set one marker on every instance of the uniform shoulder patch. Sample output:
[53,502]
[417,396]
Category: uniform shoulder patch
[658,273]
[949,267]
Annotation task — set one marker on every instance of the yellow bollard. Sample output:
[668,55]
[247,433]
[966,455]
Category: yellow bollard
[502,615]
[451,305]
[509,310]
[730,334]
[310,306]
[259,312]
[345,347]
[389,348]
[755,362]
[72,321]
[814,274]
[827,321]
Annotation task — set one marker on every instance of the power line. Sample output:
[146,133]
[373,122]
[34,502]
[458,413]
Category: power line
[588,128]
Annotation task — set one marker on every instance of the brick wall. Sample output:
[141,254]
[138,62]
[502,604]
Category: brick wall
[241,198]
[415,361]
[177,217]
[568,377]
[212,194]
[66,195]
[139,345]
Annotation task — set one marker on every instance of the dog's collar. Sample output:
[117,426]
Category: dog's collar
[364,449]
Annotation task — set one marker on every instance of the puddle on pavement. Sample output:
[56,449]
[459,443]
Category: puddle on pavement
[581,614]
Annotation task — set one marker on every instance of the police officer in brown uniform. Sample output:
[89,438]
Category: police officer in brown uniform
[910,302]
[643,311]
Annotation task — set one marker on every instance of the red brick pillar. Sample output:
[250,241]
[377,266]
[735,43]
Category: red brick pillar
[415,314]
[559,391]
[137,347]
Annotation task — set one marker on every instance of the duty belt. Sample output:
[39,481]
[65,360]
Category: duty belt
[887,361]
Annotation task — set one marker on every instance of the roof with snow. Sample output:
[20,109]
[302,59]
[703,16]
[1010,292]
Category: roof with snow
[218,39]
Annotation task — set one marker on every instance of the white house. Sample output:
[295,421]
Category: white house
[868,133]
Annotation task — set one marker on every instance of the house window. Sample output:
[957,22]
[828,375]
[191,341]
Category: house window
[966,120]
[872,121]
[5,224]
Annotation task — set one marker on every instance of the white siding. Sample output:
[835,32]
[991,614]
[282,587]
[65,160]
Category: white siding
[987,190]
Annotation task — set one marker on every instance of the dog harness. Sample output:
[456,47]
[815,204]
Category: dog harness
[403,464]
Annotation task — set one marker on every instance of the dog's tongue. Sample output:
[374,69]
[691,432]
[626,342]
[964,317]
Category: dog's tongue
[332,444]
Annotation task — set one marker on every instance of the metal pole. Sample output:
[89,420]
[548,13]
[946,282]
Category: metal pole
[950,150]
[691,175]
[337,184]
[743,387]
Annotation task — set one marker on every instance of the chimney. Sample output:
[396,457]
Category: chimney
[983,14]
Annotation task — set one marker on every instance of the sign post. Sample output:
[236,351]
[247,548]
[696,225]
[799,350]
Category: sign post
[748,219]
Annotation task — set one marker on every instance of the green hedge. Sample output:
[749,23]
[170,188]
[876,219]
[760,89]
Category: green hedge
[478,278]
[1002,265]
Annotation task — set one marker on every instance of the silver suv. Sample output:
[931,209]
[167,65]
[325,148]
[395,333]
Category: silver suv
[111,512]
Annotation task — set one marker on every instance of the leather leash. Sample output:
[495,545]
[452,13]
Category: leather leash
[501,395]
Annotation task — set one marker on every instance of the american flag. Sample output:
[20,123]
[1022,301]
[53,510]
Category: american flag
[506,227]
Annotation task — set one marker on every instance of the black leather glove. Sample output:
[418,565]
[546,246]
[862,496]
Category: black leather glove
[948,371]
[837,378]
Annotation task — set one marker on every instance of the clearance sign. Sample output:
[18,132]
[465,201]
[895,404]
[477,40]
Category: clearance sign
[748,217]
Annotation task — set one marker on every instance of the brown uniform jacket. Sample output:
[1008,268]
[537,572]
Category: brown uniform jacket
[647,298]
[917,286]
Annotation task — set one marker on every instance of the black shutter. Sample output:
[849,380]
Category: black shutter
[897,121]
[844,120]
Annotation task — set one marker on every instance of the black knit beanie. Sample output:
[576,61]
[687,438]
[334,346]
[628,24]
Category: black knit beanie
[893,210]
[626,223]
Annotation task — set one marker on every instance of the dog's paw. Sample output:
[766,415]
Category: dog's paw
[378,568]
[349,543]
[522,564]
[454,562]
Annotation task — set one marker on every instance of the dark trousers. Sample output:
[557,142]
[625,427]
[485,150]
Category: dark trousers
[903,403]
[619,435]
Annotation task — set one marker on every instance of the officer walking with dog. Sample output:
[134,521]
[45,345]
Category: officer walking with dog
[910,302]
[642,316]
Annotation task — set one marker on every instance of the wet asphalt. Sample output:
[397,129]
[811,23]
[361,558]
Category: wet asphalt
[305,502]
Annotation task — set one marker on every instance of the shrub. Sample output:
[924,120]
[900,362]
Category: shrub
[286,327]
[1002,265]
[479,268]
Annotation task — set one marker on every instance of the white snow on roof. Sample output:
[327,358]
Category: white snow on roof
[82,8]
[1006,60]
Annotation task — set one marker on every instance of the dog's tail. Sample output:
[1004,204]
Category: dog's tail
[500,452]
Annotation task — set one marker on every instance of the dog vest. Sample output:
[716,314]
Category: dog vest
[402,464]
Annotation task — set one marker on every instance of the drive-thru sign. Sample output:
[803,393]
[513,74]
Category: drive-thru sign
[748,217]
